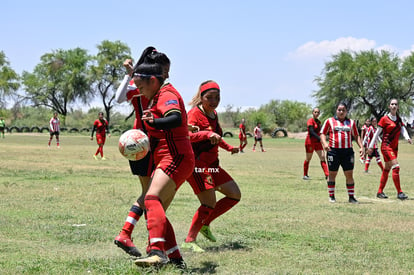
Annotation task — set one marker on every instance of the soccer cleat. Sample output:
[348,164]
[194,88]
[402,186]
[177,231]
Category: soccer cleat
[332,199]
[362,160]
[192,246]
[241,151]
[154,258]
[205,231]
[103,158]
[306,177]
[402,196]
[254,150]
[178,263]
[382,195]
[263,150]
[126,244]
[95,157]
[352,200]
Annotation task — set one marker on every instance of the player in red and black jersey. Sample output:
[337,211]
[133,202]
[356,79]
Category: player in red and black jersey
[313,143]
[367,140]
[390,127]
[208,176]
[339,152]
[101,126]
[167,127]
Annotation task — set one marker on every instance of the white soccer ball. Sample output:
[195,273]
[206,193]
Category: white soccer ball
[133,144]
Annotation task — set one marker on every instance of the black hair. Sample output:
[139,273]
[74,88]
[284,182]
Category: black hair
[152,63]
[342,104]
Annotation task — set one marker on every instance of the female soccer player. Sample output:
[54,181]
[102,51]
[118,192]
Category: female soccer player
[166,124]
[242,135]
[258,136]
[367,140]
[101,126]
[390,126]
[143,168]
[364,130]
[54,129]
[313,143]
[208,176]
[339,149]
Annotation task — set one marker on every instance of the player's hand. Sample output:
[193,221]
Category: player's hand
[91,138]
[193,128]
[410,141]
[109,135]
[215,138]
[235,150]
[128,66]
[370,150]
[147,116]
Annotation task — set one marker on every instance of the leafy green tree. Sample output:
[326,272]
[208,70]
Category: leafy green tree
[9,79]
[59,80]
[365,81]
[107,71]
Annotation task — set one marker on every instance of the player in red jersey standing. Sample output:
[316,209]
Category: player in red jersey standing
[208,176]
[166,123]
[367,140]
[313,143]
[390,127]
[339,149]
[101,126]
[54,129]
[242,135]
[143,168]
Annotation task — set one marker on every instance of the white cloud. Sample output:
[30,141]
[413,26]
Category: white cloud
[324,48]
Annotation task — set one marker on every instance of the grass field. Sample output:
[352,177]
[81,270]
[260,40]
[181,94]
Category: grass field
[61,209]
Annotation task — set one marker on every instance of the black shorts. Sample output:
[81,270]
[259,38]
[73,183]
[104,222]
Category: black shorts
[54,133]
[1,129]
[142,167]
[340,157]
[258,139]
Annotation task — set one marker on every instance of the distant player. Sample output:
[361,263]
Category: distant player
[313,143]
[101,126]
[364,130]
[242,135]
[258,136]
[54,129]
[367,140]
[390,127]
[2,126]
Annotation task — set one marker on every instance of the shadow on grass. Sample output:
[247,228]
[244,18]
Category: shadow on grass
[206,268]
[237,245]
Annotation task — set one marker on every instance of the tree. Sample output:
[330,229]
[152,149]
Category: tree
[107,71]
[9,79]
[59,80]
[365,81]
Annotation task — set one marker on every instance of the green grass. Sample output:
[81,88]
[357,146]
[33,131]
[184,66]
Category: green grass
[61,209]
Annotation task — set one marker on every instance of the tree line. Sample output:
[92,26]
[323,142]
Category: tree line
[364,80]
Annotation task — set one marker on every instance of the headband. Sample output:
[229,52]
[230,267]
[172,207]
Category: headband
[209,86]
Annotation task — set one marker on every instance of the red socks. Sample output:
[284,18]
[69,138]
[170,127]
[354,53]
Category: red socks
[222,206]
[305,167]
[200,215]
[383,180]
[325,168]
[133,216]
[396,178]
[156,223]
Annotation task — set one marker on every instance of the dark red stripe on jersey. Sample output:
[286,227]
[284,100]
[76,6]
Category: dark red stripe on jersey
[172,147]
[199,181]
[177,160]
[393,133]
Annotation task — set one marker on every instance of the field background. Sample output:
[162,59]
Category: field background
[61,209]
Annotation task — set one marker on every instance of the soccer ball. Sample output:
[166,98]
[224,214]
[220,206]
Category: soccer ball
[133,144]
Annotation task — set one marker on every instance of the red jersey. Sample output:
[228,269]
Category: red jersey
[54,124]
[391,131]
[173,141]
[340,132]
[242,128]
[140,103]
[202,147]
[100,126]
[316,124]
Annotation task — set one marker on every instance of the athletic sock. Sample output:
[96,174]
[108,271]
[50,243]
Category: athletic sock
[156,223]
[171,247]
[379,162]
[133,217]
[350,187]
[367,163]
[383,180]
[305,167]
[331,188]
[396,178]
[325,168]
[200,215]
[222,206]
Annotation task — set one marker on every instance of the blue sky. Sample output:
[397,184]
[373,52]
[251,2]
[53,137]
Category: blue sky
[256,50]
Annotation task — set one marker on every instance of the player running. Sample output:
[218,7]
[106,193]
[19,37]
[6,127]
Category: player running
[208,176]
[313,143]
[390,127]
[101,126]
